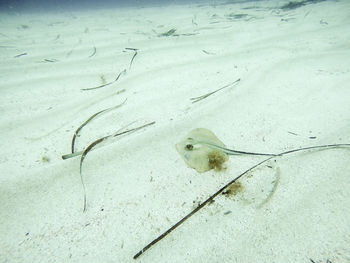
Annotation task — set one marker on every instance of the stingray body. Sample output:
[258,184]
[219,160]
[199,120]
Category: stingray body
[202,150]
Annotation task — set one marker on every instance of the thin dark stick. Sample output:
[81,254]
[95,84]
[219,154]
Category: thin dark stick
[196,209]
[224,187]
[109,83]
[196,99]
[92,145]
[91,118]
[93,53]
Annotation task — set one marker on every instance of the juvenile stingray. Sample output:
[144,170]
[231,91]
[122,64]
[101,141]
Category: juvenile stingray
[203,151]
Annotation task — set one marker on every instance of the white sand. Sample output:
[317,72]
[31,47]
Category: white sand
[294,68]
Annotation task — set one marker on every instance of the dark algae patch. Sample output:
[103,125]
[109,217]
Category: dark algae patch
[233,189]
[237,16]
[169,33]
[296,4]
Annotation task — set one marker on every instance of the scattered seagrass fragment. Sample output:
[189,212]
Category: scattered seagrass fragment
[92,145]
[187,34]
[71,155]
[52,60]
[107,84]
[133,57]
[273,190]
[131,48]
[76,133]
[93,52]
[196,99]
[77,153]
[207,52]
[20,55]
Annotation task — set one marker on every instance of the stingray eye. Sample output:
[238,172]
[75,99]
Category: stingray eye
[189,147]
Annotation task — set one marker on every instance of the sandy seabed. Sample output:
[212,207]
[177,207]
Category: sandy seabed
[294,71]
